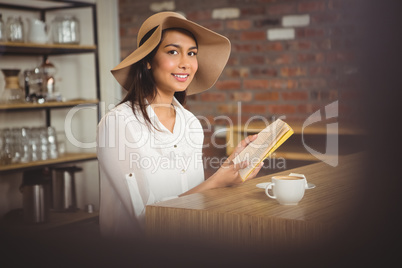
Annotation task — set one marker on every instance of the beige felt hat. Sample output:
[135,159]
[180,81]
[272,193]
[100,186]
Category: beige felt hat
[213,50]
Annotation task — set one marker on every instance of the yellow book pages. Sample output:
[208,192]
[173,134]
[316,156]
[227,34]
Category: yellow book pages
[268,140]
[276,146]
[279,143]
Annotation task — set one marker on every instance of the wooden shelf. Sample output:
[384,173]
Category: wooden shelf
[8,48]
[66,158]
[46,105]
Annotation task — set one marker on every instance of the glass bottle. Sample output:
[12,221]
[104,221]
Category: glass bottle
[12,92]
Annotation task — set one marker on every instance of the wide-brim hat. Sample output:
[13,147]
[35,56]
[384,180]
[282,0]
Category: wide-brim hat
[213,50]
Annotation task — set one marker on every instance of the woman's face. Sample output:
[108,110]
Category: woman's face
[175,62]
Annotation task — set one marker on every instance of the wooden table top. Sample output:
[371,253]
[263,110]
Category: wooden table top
[327,205]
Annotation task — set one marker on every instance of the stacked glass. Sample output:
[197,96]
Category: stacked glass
[23,145]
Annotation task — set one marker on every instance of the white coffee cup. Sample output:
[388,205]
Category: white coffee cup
[287,190]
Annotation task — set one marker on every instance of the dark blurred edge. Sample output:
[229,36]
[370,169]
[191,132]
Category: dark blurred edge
[372,237]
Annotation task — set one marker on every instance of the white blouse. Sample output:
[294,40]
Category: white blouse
[140,165]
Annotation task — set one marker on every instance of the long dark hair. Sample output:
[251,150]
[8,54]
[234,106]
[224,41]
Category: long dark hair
[144,85]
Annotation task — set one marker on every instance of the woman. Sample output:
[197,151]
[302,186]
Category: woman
[149,146]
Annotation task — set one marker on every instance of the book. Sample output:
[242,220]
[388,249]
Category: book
[268,140]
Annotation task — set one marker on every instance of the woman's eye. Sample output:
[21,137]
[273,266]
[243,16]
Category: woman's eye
[173,52]
[192,53]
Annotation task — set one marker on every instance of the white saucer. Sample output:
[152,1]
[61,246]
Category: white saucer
[264,185]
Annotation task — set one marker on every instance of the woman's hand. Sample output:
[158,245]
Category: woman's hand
[228,173]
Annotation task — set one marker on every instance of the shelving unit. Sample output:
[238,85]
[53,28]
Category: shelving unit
[46,50]
[64,159]
[47,105]
[31,49]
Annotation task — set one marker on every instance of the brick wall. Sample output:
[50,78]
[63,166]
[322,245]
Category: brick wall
[289,57]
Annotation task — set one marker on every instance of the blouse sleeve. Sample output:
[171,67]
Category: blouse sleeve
[123,200]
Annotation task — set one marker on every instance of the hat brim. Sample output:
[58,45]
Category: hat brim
[213,54]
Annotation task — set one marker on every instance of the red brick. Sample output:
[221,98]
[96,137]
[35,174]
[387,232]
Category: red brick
[321,95]
[236,72]
[266,1]
[253,60]
[212,96]
[281,9]
[199,15]
[253,109]
[325,44]
[227,108]
[322,18]
[264,72]
[242,48]
[213,25]
[309,32]
[338,4]
[292,71]
[266,22]
[193,97]
[351,94]
[298,95]
[283,84]
[342,30]
[307,108]
[266,96]
[322,70]
[132,31]
[309,83]
[232,119]
[282,109]
[256,84]
[340,57]
[238,24]
[251,11]
[241,96]
[299,45]
[280,59]
[317,57]
[269,46]
[253,35]
[228,84]
[233,36]
[311,6]
[233,60]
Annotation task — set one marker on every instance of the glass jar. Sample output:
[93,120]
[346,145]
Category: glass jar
[66,30]
[12,92]
[15,30]
[2,30]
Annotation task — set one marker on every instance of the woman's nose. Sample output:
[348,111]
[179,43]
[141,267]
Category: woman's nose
[184,63]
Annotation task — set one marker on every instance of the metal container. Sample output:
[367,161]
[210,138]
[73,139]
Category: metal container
[64,197]
[35,189]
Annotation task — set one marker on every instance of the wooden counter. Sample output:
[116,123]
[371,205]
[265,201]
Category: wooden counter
[244,215]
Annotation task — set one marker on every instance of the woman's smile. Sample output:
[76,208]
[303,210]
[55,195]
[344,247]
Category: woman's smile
[181,77]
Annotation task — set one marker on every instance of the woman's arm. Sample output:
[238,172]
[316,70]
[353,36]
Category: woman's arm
[228,173]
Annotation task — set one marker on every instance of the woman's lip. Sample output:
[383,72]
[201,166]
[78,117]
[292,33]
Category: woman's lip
[181,77]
